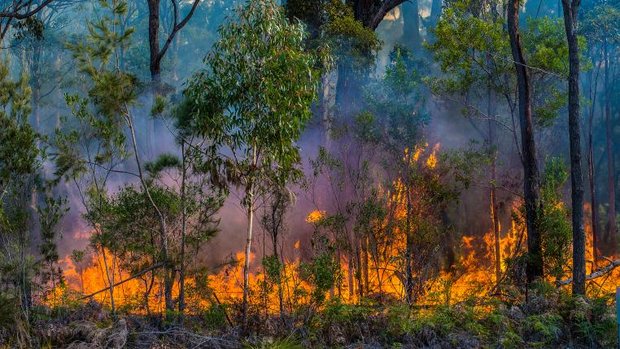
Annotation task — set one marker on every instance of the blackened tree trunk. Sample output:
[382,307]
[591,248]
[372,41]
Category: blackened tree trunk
[154,58]
[156,51]
[371,12]
[570,9]
[531,185]
[611,166]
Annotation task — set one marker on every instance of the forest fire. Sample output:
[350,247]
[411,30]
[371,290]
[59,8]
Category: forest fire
[470,276]
[309,174]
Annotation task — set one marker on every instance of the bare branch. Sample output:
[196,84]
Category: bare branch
[16,14]
[596,274]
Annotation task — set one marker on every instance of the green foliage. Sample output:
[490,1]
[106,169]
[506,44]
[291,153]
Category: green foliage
[161,163]
[254,96]
[100,117]
[473,51]
[322,273]
[50,215]
[546,328]
[18,149]
[214,317]
[335,33]
[470,50]
[397,102]
[600,23]
[555,225]
[273,268]
[286,343]
[349,39]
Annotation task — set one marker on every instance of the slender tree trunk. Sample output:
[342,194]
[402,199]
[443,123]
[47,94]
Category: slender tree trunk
[329,83]
[110,282]
[154,60]
[248,246]
[531,186]
[163,230]
[364,266]
[495,218]
[183,232]
[571,8]
[350,271]
[493,191]
[592,173]
[358,271]
[277,257]
[611,166]
[82,281]
[409,251]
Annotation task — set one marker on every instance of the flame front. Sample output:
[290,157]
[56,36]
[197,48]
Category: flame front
[471,275]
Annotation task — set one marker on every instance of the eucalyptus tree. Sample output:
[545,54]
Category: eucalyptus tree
[571,12]
[473,48]
[252,102]
[531,176]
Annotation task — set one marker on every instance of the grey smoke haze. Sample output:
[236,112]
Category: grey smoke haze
[447,127]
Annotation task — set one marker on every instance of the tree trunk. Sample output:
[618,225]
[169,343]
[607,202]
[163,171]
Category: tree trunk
[163,230]
[592,182]
[248,247]
[570,9]
[611,167]
[411,29]
[364,266]
[183,233]
[592,170]
[409,251]
[276,256]
[492,144]
[154,60]
[110,282]
[531,184]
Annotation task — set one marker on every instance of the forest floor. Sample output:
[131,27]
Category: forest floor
[552,320]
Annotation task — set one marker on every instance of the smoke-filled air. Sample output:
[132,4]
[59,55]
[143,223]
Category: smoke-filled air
[309,174]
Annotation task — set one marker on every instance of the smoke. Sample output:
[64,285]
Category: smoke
[471,216]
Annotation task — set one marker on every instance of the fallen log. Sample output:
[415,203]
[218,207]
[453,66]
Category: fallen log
[596,274]
[140,273]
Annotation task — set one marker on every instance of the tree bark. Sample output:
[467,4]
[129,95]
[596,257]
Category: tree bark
[248,246]
[493,191]
[183,232]
[570,10]
[154,59]
[531,186]
[592,174]
[409,250]
[611,166]
[157,53]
